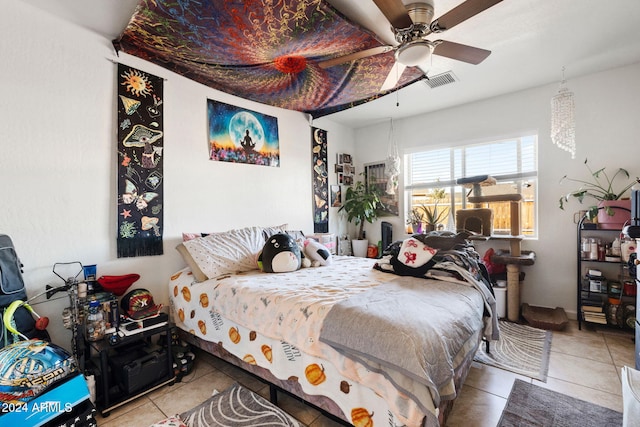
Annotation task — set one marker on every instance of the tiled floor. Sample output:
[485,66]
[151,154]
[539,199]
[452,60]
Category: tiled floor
[584,364]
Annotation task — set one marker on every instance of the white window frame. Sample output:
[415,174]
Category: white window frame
[457,153]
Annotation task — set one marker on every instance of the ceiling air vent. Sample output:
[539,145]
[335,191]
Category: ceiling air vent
[441,79]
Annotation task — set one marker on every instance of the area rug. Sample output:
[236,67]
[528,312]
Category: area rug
[237,407]
[530,405]
[520,349]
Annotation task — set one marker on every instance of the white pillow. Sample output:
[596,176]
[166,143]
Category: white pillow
[414,253]
[270,231]
[229,252]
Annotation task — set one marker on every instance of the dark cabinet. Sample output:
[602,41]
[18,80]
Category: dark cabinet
[130,366]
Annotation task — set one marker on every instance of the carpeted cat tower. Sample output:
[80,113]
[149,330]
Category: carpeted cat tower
[479,220]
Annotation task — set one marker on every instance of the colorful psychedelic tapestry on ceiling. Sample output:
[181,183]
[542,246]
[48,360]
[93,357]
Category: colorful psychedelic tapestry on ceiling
[140,175]
[238,135]
[264,50]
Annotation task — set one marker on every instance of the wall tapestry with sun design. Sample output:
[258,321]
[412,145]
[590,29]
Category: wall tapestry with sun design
[140,178]
[320,184]
[237,135]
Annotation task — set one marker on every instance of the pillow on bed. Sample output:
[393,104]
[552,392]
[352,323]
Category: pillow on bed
[444,240]
[414,258]
[270,231]
[229,252]
[198,275]
[190,236]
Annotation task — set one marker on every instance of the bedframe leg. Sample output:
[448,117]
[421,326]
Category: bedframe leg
[273,394]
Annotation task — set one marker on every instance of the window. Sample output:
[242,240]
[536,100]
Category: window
[430,180]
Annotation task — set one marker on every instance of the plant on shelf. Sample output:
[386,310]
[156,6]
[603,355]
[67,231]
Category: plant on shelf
[431,215]
[361,205]
[600,187]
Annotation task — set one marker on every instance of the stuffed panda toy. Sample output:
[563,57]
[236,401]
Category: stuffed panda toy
[317,253]
[280,254]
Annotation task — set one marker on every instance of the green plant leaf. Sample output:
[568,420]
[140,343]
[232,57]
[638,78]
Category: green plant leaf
[599,188]
[361,205]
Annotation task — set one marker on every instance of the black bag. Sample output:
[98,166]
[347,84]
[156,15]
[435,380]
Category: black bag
[12,289]
[11,283]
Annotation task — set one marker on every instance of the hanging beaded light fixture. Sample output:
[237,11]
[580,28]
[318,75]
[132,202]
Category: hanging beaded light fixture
[563,121]
[392,166]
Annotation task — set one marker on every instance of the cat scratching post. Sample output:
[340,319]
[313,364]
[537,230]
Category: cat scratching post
[477,220]
[514,258]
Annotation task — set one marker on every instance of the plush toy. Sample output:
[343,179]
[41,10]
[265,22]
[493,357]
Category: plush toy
[280,254]
[306,262]
[317,253]
[414,258]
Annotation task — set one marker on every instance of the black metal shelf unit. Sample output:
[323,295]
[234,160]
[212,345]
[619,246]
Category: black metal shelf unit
[112,390]
[583,295]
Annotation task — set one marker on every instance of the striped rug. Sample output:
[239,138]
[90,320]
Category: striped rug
[520,349]
[237,407]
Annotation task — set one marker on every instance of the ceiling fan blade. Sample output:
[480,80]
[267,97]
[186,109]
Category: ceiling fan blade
[393,77]
[461,13]
[395,12]
[460,52]
[353,56]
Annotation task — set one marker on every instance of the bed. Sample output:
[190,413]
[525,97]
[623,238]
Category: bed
[364,340]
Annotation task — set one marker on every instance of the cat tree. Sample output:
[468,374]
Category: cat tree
[480,221]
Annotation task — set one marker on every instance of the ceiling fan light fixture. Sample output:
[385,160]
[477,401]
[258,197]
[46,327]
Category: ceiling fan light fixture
[414,53]
[420,12]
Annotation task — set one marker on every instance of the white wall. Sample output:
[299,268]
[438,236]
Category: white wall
[58,162]
[608,129]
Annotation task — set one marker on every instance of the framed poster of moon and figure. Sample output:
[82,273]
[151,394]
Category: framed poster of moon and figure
[238,135]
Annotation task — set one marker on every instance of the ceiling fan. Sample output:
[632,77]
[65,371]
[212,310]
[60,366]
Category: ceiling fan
[412,24]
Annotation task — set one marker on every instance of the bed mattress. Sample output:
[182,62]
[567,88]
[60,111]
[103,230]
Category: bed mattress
[275,320]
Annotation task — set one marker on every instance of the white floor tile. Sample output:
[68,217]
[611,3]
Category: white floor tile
[583,364]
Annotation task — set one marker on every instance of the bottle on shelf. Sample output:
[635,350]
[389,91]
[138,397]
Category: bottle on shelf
[601,252]
[585,248]
[594,248]
[615,247]
[95,324]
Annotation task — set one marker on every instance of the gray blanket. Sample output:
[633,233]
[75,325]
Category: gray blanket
[409,326]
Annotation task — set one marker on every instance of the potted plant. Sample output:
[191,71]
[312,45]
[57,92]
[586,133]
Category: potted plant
[601,188]
[430,214]
[414,221]
[361,205]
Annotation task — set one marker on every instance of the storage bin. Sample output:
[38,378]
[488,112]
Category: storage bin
[501,301]
[144,370]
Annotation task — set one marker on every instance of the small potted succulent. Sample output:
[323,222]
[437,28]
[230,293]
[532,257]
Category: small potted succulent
[431,215]
[414,221]
[600,187]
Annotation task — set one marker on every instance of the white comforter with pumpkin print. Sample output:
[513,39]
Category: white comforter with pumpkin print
[274,321]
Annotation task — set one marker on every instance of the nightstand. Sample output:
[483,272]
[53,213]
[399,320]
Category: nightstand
[130,366]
